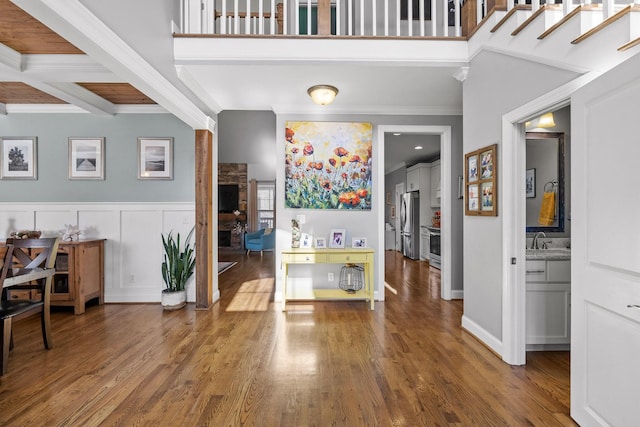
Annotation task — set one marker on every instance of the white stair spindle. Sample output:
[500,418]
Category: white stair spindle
[272,19]
[374,18]
[608,8]
[309,17]
[236,17]
[398,17]
[247,18]
[479,12]
[285,25]
[421,18]
[386,18]
[458,27]
[338,18]
[362,17]
[445,19]
[223,18]
[535,5]
[297,18]
[350,17]
[434,16]
[410,17]
[260,17]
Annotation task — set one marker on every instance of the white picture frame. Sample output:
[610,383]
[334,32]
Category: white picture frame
[337,238]
[306,241]
[86,158]
[321,243]
[358,242]
[155,158]
[19,157]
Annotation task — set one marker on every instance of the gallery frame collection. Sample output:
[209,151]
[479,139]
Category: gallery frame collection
[481,190]
[86,159]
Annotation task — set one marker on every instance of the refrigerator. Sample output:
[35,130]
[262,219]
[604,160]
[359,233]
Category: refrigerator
[410,225]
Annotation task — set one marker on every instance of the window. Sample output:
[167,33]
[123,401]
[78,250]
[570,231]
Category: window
[266,204]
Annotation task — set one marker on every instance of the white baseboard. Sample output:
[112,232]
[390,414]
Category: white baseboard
[457,294]
[489,340]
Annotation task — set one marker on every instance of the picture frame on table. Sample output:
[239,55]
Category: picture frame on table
[306,241]
[337,238]
[530,183]
[86,158]
[358,242]
[481,189]
[19,157]
[321,243]
[155,158]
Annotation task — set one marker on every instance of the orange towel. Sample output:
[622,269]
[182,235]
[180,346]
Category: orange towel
[547,209]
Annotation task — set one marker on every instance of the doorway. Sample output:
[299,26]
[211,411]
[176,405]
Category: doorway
[445,194]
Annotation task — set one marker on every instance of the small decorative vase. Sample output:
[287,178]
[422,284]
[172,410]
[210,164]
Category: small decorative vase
[295,234]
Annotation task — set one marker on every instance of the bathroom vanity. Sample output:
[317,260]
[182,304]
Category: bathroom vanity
[548,282]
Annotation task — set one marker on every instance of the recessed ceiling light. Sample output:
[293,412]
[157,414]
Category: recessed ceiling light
[418,147]
[397,134]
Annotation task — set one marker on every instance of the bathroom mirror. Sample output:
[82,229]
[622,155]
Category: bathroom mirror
[545,173]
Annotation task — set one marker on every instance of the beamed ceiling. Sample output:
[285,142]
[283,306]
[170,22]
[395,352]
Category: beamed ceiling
[22,33]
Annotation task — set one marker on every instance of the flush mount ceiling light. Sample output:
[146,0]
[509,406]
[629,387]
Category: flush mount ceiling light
[418,147]
[322,94]
[546,121]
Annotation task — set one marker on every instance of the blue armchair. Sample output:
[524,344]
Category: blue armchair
[261,240]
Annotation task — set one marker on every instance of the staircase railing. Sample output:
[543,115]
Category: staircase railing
[357,18]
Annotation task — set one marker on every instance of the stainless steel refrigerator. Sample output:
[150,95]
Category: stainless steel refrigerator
[410,225]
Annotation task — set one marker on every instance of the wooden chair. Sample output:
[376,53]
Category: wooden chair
[28,264]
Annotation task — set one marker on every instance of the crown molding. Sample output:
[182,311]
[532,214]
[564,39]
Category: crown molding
[74,109]
[366,110]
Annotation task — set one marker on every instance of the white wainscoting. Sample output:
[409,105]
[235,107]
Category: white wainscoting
[133,249]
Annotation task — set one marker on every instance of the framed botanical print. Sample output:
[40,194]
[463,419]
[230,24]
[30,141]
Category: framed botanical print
[481,184]
[19,157]
[155,158]
[86,158]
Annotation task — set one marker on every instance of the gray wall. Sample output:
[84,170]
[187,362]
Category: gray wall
[121,182]
[489,92]
[249,137]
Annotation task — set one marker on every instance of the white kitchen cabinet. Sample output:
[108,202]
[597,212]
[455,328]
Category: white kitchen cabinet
[548,305]
[413,178]
[435,184]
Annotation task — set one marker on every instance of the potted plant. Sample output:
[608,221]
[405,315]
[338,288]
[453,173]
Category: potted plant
[178,266]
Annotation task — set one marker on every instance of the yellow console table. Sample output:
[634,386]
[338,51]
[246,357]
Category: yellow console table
[330,256]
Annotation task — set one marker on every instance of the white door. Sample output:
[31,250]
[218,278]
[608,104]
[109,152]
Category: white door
[605,178]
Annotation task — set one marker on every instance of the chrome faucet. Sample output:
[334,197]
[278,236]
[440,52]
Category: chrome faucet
[534,242]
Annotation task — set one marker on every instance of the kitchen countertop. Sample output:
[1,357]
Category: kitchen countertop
[549,254]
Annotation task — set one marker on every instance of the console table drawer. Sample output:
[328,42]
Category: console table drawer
[304,258]
[346,258]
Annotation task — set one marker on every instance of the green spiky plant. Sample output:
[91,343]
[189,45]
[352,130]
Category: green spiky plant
[178,265]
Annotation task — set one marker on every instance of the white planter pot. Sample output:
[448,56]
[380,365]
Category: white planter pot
[173,300]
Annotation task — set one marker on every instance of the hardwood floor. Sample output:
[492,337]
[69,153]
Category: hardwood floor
[244,362]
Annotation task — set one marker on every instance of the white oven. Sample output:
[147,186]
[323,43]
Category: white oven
[434,247]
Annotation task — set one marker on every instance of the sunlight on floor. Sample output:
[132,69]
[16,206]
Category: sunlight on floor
[253,295]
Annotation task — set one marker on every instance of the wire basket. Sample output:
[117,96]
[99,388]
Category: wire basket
[351,278]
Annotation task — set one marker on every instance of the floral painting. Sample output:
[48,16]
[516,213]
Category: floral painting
[328,165]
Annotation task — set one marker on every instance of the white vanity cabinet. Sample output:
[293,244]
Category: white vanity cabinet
[548,314]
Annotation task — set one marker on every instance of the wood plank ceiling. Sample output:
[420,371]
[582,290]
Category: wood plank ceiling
[26,35]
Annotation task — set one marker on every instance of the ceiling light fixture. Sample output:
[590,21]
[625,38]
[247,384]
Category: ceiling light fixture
[397,134]
[546,121]
[322,94]
[418,147]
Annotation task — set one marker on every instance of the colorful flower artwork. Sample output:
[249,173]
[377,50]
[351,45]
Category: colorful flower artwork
[328,165]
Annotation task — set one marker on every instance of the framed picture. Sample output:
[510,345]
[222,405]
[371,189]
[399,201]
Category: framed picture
[321,243]
[86,158]
[155,158]
[388,198]
[481,190]
[393,211]
[306,240]
[359,242]
[472,168]
[19,157]
[530,183]
[337,238]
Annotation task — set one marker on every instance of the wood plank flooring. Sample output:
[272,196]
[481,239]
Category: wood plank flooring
[245,363]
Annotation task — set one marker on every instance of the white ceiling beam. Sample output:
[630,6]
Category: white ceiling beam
[196,87]
[67,68]
[10,58]
[76,95]
[77,24]
[3,109]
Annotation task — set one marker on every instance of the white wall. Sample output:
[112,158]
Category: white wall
[496,84]
[133,247]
